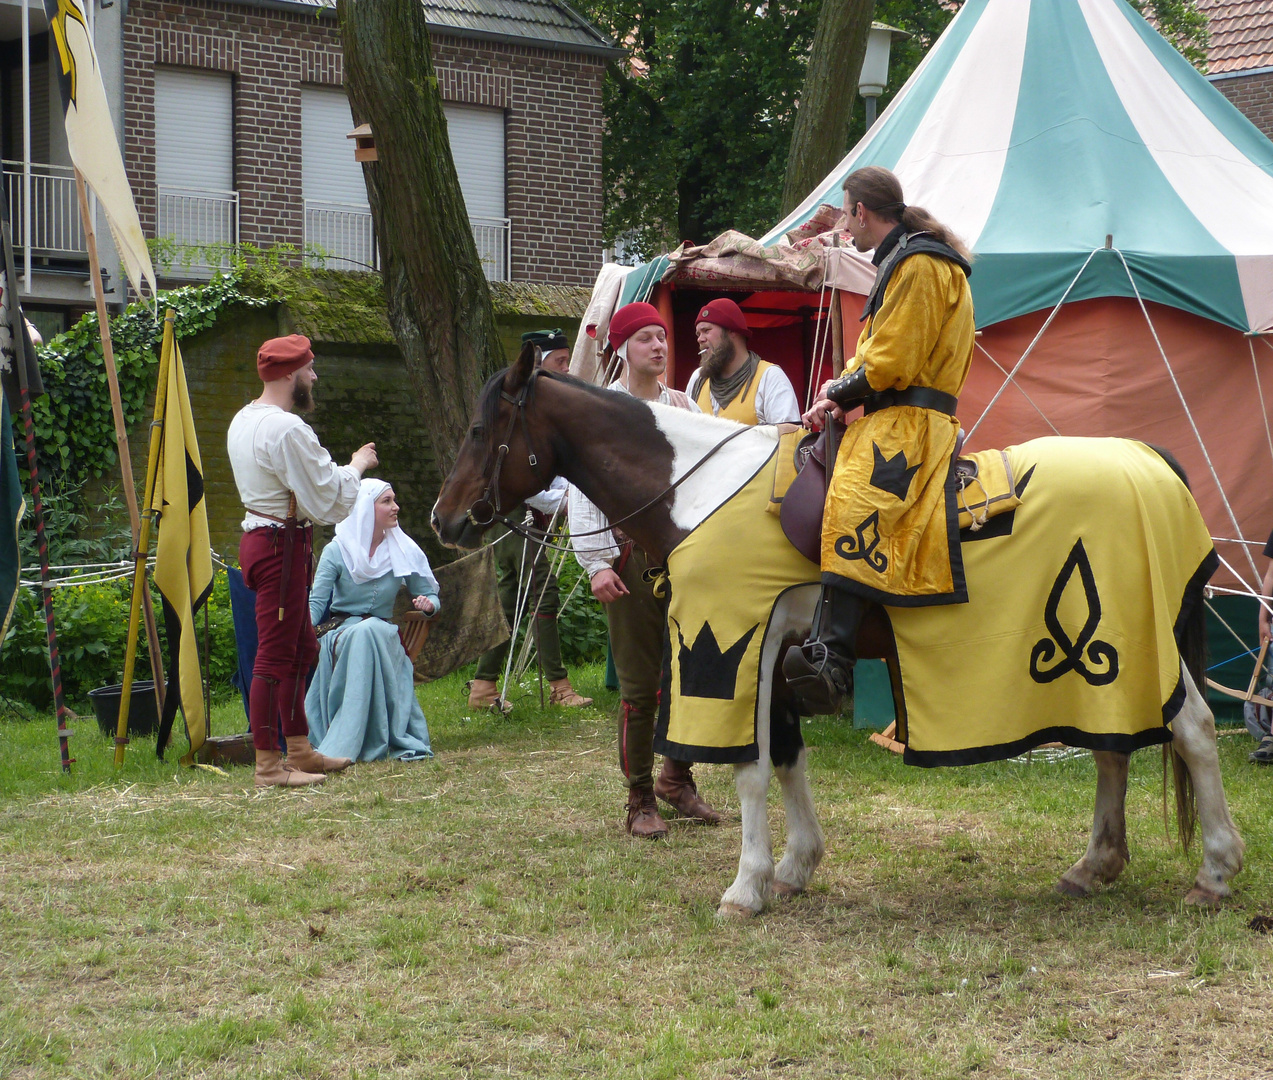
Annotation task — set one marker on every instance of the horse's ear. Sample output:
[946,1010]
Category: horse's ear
[519,371]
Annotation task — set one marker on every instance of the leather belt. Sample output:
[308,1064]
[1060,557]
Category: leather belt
[919,397]
[271,517]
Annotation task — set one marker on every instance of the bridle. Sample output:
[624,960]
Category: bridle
[486,511]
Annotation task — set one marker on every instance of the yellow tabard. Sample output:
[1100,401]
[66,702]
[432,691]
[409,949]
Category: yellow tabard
[889,527]
[725,578]
[1068,633]
[743,407]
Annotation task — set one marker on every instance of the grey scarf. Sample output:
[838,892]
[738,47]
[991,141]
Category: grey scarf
[728,387]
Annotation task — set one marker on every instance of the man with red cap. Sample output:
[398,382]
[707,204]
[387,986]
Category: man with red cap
[732,381]
[615,569]
[287,481]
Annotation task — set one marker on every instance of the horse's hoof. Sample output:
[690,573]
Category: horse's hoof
[1204,898]
[734,911]
[782,891]
[1072,889]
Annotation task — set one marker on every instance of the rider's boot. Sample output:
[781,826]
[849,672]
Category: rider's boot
[820,672]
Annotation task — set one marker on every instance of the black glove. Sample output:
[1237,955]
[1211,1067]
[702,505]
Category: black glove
[850,390]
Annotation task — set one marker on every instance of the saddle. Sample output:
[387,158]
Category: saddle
[984,482]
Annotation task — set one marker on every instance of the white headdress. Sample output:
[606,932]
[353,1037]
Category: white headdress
[397,554]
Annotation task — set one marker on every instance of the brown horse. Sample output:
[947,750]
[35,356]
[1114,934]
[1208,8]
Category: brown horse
[661,472]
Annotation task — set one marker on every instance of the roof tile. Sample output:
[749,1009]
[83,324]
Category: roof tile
[1241,35]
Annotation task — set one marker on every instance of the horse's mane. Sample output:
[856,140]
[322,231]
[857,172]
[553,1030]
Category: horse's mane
[488,400]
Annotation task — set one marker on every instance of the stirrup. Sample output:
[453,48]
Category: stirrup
[818,678]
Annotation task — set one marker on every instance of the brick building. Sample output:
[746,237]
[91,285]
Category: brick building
[233,121]
[1240,60]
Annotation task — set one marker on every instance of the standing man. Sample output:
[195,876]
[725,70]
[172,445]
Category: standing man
[515,560]
[732,381]
[888,534]
[638,620]
[286,482]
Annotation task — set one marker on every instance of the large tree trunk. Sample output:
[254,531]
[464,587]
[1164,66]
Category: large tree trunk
[820,136]
[439,303]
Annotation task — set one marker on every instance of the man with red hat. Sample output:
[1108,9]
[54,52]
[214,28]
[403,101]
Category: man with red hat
[287,481]
[732,381]
[637,618]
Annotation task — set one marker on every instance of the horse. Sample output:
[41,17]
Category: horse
[660,472]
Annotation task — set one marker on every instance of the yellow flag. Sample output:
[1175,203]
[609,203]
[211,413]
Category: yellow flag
[183,560]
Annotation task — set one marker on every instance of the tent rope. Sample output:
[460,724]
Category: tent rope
[1233,518]
[820,334]
[1259,391]
[1020,390]
[1030,348]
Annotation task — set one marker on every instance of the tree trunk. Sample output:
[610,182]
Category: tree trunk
[439,303]
[820,135]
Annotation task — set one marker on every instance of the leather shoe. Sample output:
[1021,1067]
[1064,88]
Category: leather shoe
[1263,754]
[302,755]
[819,679]
[643,818]
[675,786]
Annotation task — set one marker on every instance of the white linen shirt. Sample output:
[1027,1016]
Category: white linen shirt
[775,397]
[275,454]
[598,551]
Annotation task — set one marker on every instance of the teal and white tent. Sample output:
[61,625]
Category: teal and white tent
[1038,128]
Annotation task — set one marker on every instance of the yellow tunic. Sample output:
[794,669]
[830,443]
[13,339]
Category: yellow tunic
[889,529]
[743,407]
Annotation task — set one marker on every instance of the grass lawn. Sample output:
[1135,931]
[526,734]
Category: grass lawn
[482,914]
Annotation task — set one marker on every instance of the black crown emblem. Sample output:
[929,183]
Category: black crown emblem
[706,672]
[893,474]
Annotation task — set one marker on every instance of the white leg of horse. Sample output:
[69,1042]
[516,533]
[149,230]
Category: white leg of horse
[1106,853]
[805,845]
[1194,732]
[746,896]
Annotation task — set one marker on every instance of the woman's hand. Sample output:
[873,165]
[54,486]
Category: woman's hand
[423,603]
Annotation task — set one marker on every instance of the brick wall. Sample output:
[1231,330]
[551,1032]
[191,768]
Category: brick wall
[1253,96]
[551,101]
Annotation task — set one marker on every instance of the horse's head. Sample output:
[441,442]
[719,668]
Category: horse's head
[503,459]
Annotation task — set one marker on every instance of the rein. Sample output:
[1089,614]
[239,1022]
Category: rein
[489,504]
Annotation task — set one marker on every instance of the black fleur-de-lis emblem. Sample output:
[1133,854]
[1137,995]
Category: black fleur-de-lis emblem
[1072,652]
[894,474]
[864,544]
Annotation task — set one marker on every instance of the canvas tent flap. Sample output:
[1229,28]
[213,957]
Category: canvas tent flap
[1038,128]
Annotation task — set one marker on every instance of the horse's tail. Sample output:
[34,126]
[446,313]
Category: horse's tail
[1193,653]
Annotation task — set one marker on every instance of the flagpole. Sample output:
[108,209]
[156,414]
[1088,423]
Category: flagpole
[121,439]
[41,543]
[139,563]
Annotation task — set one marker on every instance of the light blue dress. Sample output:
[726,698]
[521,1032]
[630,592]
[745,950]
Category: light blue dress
[362,702]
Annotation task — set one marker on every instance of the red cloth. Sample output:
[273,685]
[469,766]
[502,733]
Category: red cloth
[724,312]
[632,317]
[280,356]
[286,648]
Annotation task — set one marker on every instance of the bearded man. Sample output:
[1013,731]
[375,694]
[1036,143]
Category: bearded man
[889,533]
[286,481]
[732,381]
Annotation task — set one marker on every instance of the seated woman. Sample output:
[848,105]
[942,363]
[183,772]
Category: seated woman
[362,702]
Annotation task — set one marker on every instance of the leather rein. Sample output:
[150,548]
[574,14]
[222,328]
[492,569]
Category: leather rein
[488,506]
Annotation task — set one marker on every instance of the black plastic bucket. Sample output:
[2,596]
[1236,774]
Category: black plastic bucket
[143,714]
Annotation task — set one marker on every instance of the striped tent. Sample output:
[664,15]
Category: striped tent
[1037,129]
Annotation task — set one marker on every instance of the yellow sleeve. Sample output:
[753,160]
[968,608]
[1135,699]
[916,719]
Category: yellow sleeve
[906,328]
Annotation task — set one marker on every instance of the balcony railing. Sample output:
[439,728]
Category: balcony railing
[56,228]
[339,236]
[492,237]
[202,225]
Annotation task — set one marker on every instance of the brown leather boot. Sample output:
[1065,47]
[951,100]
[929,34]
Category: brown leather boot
[302,755]
[565,694]
[484,694]
[273,771]
[644,819]
[675,786]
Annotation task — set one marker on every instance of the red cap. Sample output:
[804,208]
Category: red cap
[280,356]
[632,317]
[725,313]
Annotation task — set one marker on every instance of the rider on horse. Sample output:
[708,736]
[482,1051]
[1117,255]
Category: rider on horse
[890,531]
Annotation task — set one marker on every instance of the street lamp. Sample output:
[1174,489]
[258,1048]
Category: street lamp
[874,75]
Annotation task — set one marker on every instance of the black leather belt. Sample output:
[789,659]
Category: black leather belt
[919,397]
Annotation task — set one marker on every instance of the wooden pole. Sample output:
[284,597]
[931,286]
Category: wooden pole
[121,434]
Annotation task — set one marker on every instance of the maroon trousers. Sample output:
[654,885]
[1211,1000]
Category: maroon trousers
[286,648]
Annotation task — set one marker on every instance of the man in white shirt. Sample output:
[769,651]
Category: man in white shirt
[286,481]
[637,618]
[732,381]
[520,563]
